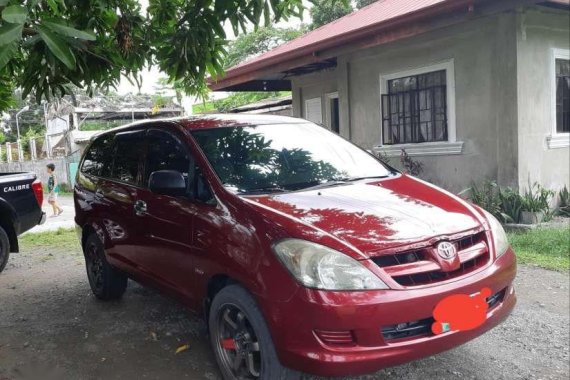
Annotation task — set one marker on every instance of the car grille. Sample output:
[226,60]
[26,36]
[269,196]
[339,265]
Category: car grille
[421,267]
[423,327]
[407,329]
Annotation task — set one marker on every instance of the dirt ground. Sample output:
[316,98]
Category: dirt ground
[52,327]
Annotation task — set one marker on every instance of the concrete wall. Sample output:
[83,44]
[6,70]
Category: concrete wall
[484,55]
[538,32]
[39,167]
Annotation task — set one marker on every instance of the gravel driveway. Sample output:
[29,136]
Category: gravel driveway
[51,327]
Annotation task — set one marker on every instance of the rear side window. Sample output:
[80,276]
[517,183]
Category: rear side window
[128,153]
[97,160]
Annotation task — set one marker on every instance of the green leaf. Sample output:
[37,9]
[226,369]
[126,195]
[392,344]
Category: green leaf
[3,3]
[7,53]
[68,31]
[58,47]
[15,14]
[10,33]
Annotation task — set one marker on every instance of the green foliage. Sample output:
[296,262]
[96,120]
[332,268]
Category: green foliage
[507,204]
[326,11]
[47,46]
[234,100]
[257,42]
[511,204]
[100,125]
[547,248]
[239,99]
[363,3]
[486,196]
[6,89]
[536,198]
[564,202]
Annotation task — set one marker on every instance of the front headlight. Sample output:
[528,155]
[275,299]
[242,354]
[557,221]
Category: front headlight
[499,236]
[316,266]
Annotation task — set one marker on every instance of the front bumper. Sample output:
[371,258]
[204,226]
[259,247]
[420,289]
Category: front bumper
[293,323]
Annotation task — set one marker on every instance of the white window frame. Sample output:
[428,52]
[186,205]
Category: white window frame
[555,139]
[451,146]
[307,103]
[328,109]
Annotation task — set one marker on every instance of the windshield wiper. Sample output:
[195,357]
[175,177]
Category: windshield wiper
[264,190]
[325,184]
[340,182]
[354,179]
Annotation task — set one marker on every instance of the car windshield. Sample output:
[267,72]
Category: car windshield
[284,157]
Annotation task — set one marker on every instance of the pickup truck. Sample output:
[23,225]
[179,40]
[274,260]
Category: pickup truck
[21,197]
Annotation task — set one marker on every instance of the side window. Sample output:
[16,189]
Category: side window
[98,157]
[127,163]
[165,152]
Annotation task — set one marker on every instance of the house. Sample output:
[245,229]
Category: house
[474,89]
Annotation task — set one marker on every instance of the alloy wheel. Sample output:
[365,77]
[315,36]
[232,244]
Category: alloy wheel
[94,267]
[237,344]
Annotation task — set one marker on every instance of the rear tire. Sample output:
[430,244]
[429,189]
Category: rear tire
[241,340]
[4,249]
[106,282]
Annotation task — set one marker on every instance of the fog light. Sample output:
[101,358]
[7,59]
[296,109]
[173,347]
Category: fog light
[336,338]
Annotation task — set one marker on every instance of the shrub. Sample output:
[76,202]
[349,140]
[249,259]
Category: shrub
[507,204]
[487,197]
[511,205]
[536,198]
[564,202]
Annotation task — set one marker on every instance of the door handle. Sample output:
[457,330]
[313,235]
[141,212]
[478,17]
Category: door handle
[140,208]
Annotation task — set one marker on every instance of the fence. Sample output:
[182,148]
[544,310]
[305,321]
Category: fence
[39,167]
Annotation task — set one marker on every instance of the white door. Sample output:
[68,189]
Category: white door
[314,111]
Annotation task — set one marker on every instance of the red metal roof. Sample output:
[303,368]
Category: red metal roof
[346,31]
[375,13]
[379,14]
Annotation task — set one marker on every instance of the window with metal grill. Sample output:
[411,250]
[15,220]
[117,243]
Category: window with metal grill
[415,109]
[562,96]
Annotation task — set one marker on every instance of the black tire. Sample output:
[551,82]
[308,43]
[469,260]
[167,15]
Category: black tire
[250,337]
[107,283]
[4,249]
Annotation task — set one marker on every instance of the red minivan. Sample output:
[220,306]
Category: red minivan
[305,253]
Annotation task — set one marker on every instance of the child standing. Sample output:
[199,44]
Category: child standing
[53,190]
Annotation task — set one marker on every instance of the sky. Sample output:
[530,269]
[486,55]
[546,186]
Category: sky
[151,76]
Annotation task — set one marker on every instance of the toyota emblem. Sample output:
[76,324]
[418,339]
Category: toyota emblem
[446,250]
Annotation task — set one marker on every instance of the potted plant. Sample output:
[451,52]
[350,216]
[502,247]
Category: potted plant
[535,204]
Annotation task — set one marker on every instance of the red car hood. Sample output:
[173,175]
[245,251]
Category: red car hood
[377,215]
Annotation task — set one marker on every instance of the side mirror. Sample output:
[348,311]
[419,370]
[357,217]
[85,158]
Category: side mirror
[167,182]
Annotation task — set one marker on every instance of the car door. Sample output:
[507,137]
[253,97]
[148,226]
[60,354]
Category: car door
[118,192]
[166,222]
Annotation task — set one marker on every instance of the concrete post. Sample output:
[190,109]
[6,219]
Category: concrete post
[20,151]
[33,151]
[9,152]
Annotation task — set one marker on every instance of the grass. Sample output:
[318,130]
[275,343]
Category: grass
[62,238]
[547,248]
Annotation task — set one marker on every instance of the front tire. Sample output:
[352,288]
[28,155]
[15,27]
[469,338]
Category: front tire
[106,282]
[4,249]
[241,340]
